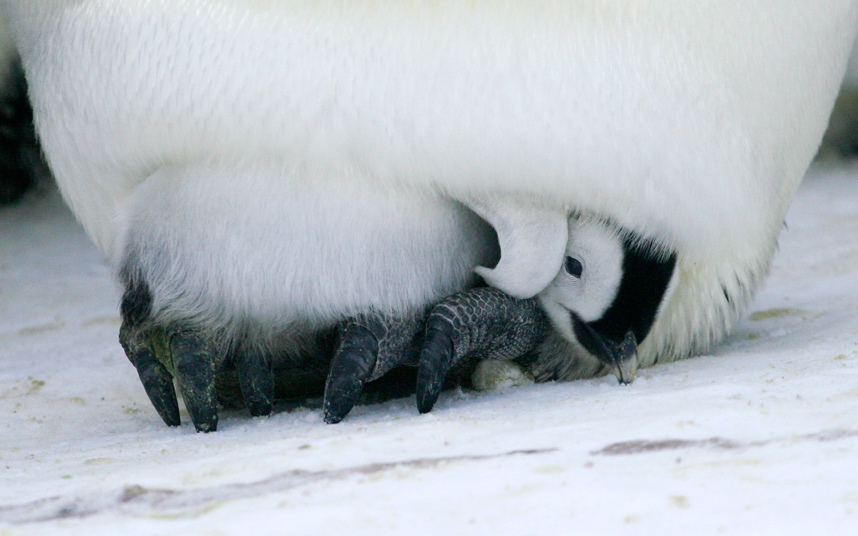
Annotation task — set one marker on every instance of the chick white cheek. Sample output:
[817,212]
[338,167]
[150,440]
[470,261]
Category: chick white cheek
[559,315]
[597,250]
[566,290]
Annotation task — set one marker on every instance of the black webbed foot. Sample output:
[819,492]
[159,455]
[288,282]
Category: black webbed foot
[369,347]
[481,322]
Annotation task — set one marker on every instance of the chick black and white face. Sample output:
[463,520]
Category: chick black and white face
[607,295]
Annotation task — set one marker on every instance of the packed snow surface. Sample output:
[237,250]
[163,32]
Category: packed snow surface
[759,437]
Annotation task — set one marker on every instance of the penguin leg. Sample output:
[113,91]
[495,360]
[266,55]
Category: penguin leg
[481,322]
[161,353]
[369,347]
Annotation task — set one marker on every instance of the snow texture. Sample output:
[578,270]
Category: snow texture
[759,437]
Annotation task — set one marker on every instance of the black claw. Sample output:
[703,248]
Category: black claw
[436,359]
[479,323]
[195,365]
[257,383]
[350,369]
[158,383]
[147,348]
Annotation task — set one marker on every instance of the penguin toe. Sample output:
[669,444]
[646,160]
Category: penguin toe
[369,347]
[148,351]
[196,366]
[256,380]
[161,354]
[479,323]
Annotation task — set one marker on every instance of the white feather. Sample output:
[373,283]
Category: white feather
[688,122]
[532,240]
[292,249]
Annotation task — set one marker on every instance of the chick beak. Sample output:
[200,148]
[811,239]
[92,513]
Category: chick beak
[622,357]
[625,358]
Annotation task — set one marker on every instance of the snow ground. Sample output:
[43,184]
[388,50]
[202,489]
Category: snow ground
[759,437]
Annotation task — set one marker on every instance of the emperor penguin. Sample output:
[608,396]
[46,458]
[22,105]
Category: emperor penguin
[176,128]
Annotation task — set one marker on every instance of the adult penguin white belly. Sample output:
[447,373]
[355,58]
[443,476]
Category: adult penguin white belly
[687,124]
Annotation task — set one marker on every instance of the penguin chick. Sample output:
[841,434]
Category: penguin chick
[605,298]
[602,302]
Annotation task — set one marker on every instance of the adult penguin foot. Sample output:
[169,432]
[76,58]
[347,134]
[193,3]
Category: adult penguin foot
[369,346]
[482,322]
[160,353]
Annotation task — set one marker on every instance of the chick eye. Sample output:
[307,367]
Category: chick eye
[574,267]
